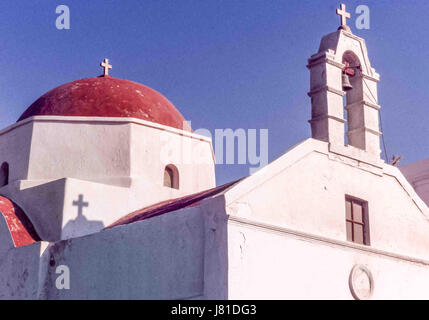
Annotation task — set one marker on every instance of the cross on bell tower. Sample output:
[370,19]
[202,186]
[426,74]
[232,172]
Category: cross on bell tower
[106,66]
[344,15]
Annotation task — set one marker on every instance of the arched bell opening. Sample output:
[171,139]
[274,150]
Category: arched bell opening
[352,82]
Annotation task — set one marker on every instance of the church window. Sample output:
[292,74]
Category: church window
[171,177]
[4,174]
[357,225]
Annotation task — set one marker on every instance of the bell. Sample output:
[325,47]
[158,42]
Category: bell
[347,86]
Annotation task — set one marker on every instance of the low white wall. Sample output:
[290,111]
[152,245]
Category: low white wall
[20,273]
[178,255]
[161,258]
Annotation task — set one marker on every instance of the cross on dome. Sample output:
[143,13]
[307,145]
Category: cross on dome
[106,66]
[344,15]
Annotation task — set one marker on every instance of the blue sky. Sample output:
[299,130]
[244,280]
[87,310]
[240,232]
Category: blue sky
[223,64]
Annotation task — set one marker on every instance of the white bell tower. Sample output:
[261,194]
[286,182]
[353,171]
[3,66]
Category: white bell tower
[343,57]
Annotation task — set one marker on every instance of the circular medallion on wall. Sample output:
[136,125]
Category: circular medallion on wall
[361,282]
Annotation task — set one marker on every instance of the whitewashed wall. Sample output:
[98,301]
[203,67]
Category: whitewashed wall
[303,193]
[179,255]
[116,164]
[279,234]
[268,264]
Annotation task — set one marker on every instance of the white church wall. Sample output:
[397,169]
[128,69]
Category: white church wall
[116,164]
[102,204]
[15,145]
[82,150]
[296,207]
[216,262]
[152,150]
[117,150]
[308,194]
[89,207]
[43,203]
[269,263]
[56,212]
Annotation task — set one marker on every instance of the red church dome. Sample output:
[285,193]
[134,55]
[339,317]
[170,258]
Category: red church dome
[107,97]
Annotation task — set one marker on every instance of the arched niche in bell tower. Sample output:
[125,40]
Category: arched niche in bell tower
[352,82]
[352,70]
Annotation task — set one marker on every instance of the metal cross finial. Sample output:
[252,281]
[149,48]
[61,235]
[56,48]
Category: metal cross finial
[106,66]
[344,16]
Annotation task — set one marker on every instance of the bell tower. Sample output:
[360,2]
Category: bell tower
[343,92]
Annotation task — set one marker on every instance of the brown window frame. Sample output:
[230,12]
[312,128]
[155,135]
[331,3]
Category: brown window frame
[353,221]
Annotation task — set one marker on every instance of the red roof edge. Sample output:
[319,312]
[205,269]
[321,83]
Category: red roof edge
[170,205]
[21,229]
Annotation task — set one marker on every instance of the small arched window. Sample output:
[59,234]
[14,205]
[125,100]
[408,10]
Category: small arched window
[4,174]
[171,177]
